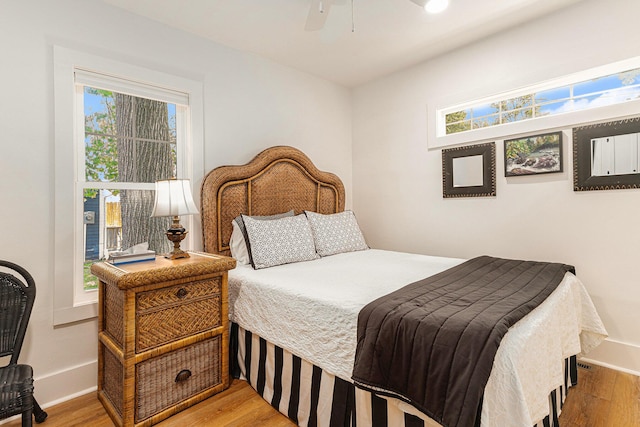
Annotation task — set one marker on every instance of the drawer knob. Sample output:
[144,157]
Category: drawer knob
[182,292]
[183,375]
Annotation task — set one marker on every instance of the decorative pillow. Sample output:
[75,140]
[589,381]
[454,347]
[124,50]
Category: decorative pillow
[280,241]
[239,242]
[336,233]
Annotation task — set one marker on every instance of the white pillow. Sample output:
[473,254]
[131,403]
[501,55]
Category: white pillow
[240,250]
[280,241]
[336,233]
[237,245]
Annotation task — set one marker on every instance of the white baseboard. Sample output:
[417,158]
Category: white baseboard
[616,355]
[64,385]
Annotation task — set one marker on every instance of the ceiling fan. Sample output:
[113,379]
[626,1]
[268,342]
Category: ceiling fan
[319,10]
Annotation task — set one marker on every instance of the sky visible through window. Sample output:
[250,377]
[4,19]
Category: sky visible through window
[607,90]
[97,103]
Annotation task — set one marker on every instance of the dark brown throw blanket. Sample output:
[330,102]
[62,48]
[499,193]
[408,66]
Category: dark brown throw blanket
[432,343]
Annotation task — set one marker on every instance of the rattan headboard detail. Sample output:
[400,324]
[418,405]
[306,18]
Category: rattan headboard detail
[277,180]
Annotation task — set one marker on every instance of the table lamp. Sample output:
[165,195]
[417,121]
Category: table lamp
[173,198]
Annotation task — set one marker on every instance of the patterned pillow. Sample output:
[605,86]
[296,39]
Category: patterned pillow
[239,241]
[280,241]
[336,233]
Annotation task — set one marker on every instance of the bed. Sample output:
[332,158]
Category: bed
[294,325]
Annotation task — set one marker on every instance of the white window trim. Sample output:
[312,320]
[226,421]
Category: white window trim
[436,137]
[86,78]
[67,205]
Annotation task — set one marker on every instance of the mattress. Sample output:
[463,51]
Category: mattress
[311,309]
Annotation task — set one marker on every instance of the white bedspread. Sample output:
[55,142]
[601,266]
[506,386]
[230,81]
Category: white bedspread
[311,309]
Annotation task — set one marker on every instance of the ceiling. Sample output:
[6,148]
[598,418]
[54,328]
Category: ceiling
[389,34]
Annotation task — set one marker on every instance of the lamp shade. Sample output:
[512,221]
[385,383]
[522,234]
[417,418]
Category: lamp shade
[173,198]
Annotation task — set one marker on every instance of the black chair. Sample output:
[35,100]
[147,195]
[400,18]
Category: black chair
[16,381]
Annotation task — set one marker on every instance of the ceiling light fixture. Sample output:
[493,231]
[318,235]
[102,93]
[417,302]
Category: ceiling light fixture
[432,6]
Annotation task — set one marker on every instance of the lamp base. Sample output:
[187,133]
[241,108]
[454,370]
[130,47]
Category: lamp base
[177,254]
[176,234]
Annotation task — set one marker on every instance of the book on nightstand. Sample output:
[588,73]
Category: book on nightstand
[116,258]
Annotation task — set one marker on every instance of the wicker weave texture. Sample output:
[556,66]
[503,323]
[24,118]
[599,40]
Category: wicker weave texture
[113,379]
[113,313]
[167,314]
[157,327]
[277,180]
[283,184]
[161,271]
[17,296]
[157,384]
[326,203]
[13,302]
[16,388]
[161,298]
[237,195]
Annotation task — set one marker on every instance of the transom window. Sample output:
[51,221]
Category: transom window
[547,100]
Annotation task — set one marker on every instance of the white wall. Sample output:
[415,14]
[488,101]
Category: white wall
[250,104]
[398,181]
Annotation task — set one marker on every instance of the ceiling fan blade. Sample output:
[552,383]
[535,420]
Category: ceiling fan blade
[420,3]
[318,12]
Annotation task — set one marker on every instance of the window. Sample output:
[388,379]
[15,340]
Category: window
[127,139]
[598,94]
[119,128]
[605,90]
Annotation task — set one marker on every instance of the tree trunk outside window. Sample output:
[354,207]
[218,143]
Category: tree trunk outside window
[144,155]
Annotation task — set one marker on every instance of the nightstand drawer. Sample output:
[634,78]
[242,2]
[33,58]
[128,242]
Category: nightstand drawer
[164,381]
[169,314]
[178,294]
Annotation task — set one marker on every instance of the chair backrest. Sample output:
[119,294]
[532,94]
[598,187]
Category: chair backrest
[16,301]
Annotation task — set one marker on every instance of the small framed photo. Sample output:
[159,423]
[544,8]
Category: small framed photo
[606,155]
[533,155]
[469,171]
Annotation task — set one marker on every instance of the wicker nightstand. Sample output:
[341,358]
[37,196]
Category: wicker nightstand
[163,336]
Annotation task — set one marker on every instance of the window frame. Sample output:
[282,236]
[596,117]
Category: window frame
[437,112]
[69,151]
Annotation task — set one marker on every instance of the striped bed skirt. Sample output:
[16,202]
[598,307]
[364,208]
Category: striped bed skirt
[310,396]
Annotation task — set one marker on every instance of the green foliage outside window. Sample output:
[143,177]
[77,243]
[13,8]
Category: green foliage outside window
[605,90]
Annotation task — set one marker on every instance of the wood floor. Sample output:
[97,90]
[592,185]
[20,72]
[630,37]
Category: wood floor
[238,406]
[602,398]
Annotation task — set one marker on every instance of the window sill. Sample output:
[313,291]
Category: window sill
[63,316]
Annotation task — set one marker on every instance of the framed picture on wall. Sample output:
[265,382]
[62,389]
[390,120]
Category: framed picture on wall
[469,171]
[606,156]
[533,155]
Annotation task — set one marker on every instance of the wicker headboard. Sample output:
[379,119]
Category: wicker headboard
[277,180]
